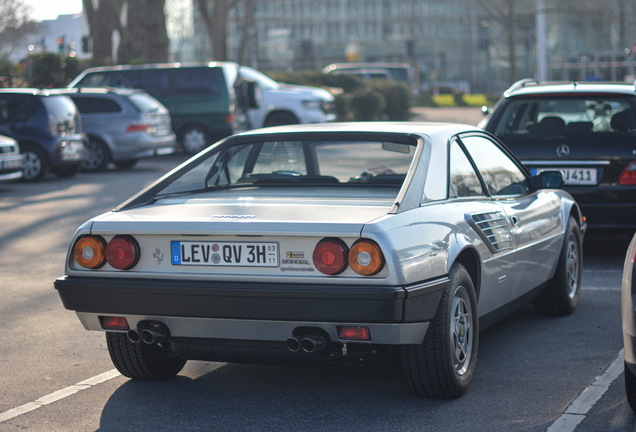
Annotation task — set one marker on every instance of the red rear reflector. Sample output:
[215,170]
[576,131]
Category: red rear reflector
[628,176]
[354,333]
[114,323]
[122,253]
[330,256]
[138,127]
[229,119]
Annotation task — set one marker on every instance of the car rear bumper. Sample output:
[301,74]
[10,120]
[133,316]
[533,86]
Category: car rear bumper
[394,315]
[140,145]
[606,206]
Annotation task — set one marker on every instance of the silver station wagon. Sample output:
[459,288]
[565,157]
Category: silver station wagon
[333,242]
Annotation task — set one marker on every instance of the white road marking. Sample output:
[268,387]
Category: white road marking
[577,411]
[58,395]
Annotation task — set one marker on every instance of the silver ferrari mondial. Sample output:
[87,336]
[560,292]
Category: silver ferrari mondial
[334,242]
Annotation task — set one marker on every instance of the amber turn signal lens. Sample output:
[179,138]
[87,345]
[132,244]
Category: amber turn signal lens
[89,252]
[365,258]
[122,253]
[330,256]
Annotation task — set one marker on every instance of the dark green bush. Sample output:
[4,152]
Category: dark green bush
[349,83]
[367,105]
[397,96]
[49,70]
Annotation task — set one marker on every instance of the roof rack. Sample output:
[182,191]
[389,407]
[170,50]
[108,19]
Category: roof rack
[520,84]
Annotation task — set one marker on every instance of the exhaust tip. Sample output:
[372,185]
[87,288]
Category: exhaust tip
[133,336]
[154,335]
[312,343]
[293,344]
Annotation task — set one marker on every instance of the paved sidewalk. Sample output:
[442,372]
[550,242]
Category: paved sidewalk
[466,115]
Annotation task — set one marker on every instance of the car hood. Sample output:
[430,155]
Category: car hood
[191,216]
[302,92]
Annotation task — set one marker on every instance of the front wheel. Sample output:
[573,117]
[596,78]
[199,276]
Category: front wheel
[561,296]
[98,156]
[444,364]
[141,361]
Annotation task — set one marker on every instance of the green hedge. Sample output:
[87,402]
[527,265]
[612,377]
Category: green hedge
[388,100]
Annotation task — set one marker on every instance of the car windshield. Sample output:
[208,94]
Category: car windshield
[555,117]
[299,163]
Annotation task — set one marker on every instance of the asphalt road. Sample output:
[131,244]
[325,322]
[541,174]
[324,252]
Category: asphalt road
[530,367]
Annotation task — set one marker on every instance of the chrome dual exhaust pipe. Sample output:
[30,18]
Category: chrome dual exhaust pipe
[154,335]
[309,344]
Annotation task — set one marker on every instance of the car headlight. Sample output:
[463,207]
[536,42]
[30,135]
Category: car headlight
[312,104]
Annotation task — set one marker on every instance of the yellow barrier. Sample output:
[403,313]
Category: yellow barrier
[444,100]
[475,99]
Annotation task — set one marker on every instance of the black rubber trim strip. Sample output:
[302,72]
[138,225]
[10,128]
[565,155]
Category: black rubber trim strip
[257,301]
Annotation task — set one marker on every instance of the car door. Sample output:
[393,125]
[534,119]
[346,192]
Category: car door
[537,225]
[490,224]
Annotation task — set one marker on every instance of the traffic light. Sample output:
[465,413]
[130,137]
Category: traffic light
[60,45]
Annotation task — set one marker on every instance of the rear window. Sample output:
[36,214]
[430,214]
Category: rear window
[143,103]
[94,105]
[365,164]
[59,107]
[554,117]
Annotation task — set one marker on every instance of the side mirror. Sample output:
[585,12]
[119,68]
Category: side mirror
[547,180]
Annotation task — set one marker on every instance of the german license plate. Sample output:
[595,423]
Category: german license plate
[574,176]
[211,253]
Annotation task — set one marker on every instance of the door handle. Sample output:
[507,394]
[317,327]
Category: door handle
[514,220]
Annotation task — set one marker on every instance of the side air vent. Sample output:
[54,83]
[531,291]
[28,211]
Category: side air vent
[494,230]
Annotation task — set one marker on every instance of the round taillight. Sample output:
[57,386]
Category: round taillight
[122,252]
[330,256]
[89,252]
[365,258]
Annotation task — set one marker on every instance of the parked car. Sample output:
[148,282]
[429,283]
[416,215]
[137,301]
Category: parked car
[585,130]
[10,159]
[366,74]
[283,104]
[629,322]
[402,72]
[332,242]
[48,130]
[202,98]
[122,126]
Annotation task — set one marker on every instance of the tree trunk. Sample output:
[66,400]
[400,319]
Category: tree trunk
[245,34]
[102,21]
[144,37]
[215,20]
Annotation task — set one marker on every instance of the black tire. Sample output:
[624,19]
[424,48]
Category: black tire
[36,164]
[561,296]
[67,171]
[630,387]
[280,119]
[194,138]
[141,361]
[98,156]
[126,164]
[444,364]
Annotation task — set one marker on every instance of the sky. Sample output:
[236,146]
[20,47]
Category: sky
[48,9]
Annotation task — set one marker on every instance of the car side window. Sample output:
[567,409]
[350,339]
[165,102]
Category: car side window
[463,179]
[155,83]
[89,105]
[501,174]
[13,108]
[195,82]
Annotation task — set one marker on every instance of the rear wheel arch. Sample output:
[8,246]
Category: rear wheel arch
[470,260]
